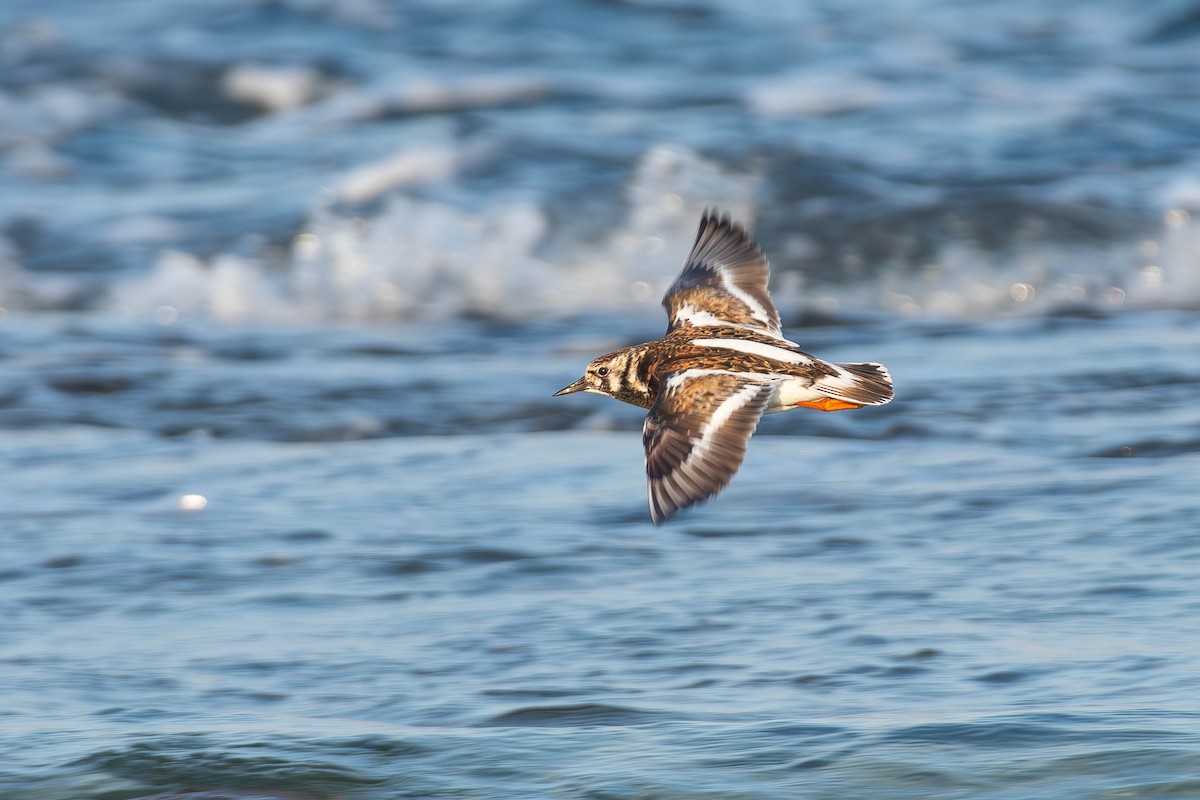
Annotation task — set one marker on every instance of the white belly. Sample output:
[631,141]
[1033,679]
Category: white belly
[790,392]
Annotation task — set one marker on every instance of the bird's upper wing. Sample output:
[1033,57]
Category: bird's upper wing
[695,434]
[724,281]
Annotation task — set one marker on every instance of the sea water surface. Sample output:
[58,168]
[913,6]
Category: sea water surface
[287,509]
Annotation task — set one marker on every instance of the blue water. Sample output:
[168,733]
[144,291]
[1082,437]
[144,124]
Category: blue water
[287,510]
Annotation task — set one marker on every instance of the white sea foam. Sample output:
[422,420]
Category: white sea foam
[406,168]
[418,93]
[966,283]
[431,259]
[420,258]
[272,88]
[426,260]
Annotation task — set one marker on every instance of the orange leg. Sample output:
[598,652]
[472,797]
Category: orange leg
[829,404]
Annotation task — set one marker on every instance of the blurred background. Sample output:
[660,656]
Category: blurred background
[286,505]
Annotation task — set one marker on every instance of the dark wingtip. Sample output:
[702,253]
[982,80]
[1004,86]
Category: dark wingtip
[717,226]
[713,216]
[659,517]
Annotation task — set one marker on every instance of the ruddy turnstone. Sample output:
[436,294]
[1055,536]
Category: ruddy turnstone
[722,364]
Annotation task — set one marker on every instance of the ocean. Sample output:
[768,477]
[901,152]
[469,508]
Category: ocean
[288,511]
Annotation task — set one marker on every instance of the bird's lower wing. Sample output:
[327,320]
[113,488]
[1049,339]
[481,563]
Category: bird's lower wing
[696,433]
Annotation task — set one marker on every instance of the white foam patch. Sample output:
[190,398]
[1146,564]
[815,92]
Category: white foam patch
[432,259]
[226,287]
[419,93]
[406,168]
[965,283]
[1183,192]
[271,88]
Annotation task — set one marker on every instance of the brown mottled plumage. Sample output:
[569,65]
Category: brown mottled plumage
[722,364]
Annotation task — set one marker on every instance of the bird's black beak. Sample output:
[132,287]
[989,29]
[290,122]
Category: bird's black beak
[577,386]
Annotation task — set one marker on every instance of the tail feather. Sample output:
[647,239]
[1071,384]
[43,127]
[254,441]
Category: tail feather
[865,384]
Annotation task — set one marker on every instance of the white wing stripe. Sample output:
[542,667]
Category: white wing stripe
[698,319]
[756,348]
[756,309]
[734,403]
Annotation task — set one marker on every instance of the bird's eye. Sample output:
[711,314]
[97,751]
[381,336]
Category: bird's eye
[602,371]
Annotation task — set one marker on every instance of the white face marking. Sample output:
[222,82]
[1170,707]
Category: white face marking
[756,348]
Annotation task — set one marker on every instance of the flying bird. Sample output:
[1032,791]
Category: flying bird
[721,365]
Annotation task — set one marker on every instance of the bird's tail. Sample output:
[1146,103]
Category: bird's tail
[853,386]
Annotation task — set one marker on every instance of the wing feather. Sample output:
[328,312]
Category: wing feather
[696,433]
[723,282]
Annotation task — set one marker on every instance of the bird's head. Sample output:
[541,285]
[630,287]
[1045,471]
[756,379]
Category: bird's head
[602,376]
